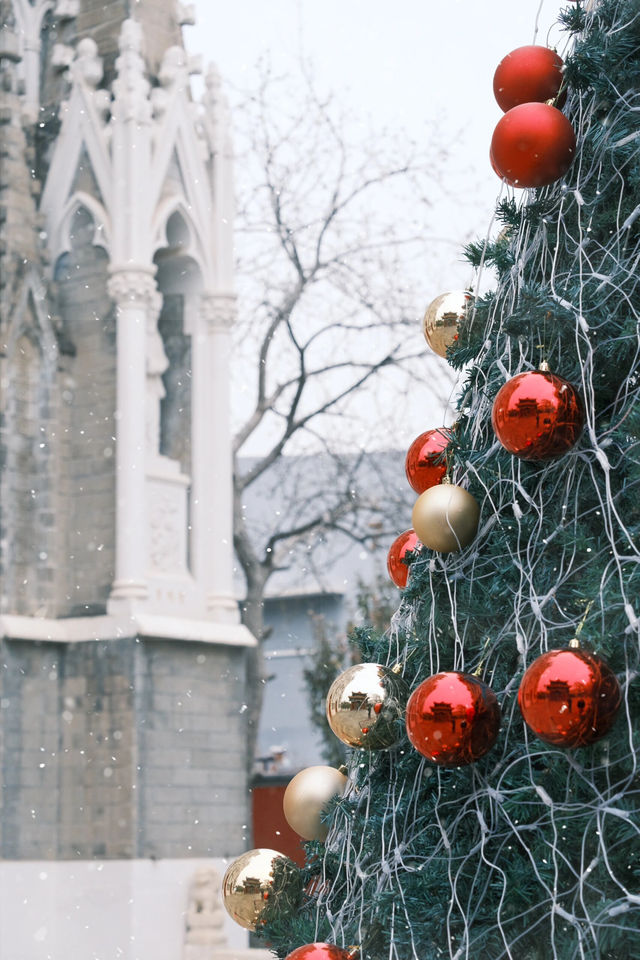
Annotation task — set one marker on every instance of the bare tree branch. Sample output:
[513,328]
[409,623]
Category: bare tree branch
[327,294]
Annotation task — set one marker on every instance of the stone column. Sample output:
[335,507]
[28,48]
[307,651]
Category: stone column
[137,299]
[29,16]
[212,503]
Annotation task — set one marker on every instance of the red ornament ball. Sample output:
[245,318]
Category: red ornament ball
[528,74]
[453,718]
[425,464]
[497,172]
[533,145]
[537,415]
[397,568]
[569,698]
[320,951]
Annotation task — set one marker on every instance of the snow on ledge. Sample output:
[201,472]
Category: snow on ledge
[82,629]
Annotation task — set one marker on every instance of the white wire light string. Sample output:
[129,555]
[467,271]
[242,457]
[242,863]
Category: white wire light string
[586,472]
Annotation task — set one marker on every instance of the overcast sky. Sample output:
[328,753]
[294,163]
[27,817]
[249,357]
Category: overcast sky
[401,63]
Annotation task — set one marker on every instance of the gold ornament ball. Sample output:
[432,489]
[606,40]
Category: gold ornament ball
[307,795]
[440,324]
[248,882]
[364,704]
[446,517]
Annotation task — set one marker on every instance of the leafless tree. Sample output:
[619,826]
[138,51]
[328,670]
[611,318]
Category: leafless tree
[334,264]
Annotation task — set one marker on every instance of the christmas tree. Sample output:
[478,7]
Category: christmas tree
[526,847]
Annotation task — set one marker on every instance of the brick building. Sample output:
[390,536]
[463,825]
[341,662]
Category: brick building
[122,761]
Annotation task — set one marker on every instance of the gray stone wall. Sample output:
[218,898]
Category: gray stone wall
[28,362]
[28,482]
[123,748]
[191,749]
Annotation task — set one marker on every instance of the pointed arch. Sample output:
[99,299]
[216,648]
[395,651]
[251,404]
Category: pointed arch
[166,211]
[62,241]
[178,136]
[30,317]
[84,133]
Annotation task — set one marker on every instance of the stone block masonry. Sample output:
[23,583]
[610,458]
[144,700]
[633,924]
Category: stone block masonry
[121,749]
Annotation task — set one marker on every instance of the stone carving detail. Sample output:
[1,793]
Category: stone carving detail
[165,534]
[61,56]
[157,363]
[213,96]
[217,114]
[131,88]
[135,286]
[218,311]
[174,74]
[86,71]
[205,917]
[174,67]
[88,65]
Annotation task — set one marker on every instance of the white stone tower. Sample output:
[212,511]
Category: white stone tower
[122,759]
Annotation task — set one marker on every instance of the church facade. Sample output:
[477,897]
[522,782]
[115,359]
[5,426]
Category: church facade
[122,741]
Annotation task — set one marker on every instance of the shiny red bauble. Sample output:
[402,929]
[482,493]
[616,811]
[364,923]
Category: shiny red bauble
[526,75]
[425,464]
[537,415]
[453,718]
[533,145]
[493,165]
[320,951]
[398,570]
[569,698]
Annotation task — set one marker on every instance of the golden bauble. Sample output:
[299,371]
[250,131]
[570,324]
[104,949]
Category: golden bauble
[445,517]
[307,796]
[440,324]
[248,882]
[364,704]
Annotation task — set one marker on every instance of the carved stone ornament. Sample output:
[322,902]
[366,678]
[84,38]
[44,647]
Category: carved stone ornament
[126,286]
[218,311]
[167,529]
[205,916]
[87,65]
[217,111]
[131,87]
[157,363]
[61,56]
[174,67]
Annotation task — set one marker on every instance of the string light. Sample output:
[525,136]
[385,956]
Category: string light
[347,900]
